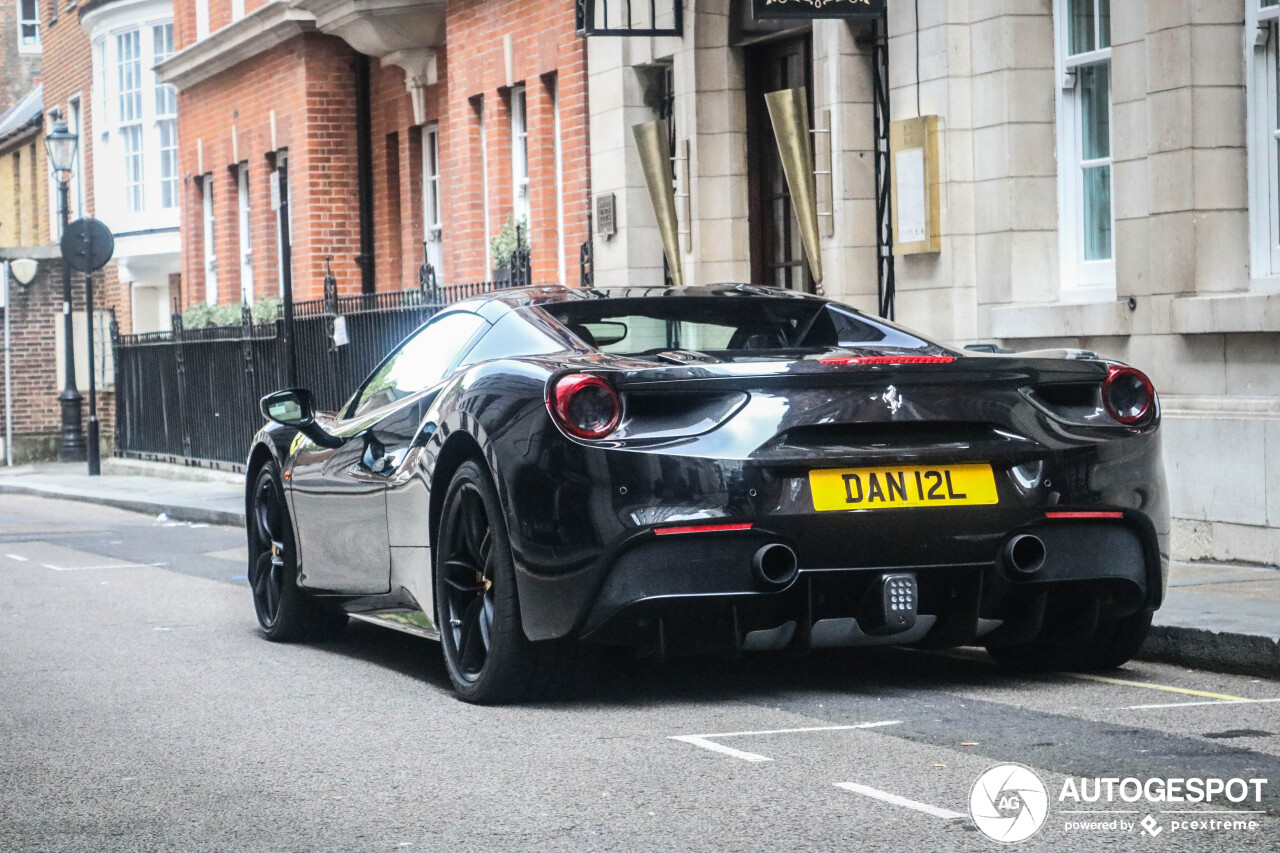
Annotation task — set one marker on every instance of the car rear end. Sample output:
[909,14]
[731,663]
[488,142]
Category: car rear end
[846,495]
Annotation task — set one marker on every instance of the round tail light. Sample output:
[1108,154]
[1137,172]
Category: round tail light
[1128,395]
[585,406]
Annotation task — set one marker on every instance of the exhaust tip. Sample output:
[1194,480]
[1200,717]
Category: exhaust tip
[775,565]
[1024,554]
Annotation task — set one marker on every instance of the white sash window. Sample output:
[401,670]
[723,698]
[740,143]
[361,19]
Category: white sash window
[1086,211]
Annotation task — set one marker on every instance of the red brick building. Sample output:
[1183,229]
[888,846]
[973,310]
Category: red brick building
[398,124]
[53,46]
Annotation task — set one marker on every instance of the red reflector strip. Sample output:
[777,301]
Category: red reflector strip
[703,528]
[1084,515]
[888,359]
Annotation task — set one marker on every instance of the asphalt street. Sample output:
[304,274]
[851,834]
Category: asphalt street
[140,710]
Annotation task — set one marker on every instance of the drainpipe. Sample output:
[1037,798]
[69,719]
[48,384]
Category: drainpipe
[364,172]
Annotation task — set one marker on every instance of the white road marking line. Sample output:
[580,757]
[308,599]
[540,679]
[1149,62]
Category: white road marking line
[111,566]
[1194,704]
[885,796]
[719,747]
[704,741]
[18,557]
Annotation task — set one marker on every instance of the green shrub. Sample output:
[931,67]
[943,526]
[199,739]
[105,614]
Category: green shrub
[501,247]
[200,315]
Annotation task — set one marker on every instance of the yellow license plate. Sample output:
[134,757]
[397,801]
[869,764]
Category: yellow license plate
[902,486]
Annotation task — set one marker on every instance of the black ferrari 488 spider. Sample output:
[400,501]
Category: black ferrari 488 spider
[730,468]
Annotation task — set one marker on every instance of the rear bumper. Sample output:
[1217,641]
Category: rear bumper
[700,593]
[589,565]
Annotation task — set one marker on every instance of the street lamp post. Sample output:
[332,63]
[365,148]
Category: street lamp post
[61,145]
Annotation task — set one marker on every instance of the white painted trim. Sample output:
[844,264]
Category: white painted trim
[1259,52]
[557,140]
[210,237]
[38,47]
[432,202]
[518,106]
[484,193]
[1079,280]
[244,220]
[258,31]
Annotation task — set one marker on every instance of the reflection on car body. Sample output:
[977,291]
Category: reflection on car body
[727,468]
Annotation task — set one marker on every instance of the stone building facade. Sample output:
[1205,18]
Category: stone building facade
[406,131]
[1107,172]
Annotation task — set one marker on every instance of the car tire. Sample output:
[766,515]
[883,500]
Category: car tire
[286,614]
[487,655]
[1112,642]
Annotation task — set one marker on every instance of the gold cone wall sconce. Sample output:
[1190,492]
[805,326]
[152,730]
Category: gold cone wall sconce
[789,113]
[655,161]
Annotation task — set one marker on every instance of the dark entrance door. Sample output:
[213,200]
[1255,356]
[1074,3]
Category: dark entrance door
[777,255]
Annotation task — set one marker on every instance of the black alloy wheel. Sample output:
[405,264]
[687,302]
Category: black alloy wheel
[267,569]
[485,649]
[467,572]
[285,613]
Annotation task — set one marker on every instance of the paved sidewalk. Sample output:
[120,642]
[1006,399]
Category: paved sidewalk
[213,497]
[1224,617]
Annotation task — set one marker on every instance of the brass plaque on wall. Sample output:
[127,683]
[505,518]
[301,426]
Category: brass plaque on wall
[917,186]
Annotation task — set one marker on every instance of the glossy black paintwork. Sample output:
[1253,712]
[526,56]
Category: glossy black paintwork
[575,508]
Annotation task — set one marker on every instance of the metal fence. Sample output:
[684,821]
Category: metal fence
[191,395]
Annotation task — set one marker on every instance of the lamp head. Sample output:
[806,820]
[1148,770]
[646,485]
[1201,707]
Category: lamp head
[61,145]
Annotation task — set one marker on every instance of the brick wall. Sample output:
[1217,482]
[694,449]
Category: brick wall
[24,193]
[36,311]
[545,52]
[19,72]
[307,86]
[308,83]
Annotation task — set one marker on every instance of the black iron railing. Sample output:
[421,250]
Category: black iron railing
[191,395]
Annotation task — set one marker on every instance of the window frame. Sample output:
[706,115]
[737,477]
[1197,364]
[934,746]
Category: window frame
[131,106]
[35,46]
[244,227]
[75,124]
[518,108]
[165,99]
[1262,82]
[1082,280]
[432,200]
[209,238]
[553,87]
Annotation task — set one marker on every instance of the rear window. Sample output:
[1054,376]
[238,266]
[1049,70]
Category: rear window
[646,326]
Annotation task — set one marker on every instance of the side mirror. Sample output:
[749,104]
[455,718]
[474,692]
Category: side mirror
[293,408]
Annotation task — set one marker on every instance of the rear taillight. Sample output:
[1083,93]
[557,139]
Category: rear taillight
[1128,395]
[888,359]
[585,406]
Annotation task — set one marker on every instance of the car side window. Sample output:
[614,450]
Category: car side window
[420,362]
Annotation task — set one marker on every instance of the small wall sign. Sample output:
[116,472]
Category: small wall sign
[606,215]
[916,187]
[766,9]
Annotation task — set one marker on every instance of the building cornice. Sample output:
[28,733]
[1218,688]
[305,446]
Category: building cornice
[258,31]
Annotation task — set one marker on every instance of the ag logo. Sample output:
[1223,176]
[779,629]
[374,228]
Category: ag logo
[1009,803]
